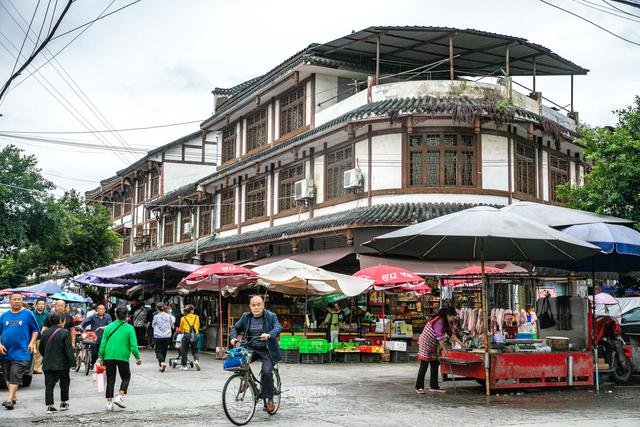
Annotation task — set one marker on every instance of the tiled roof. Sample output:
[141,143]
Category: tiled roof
[178,252]
[387,214]
[235,89]
[462,108]
[185,190]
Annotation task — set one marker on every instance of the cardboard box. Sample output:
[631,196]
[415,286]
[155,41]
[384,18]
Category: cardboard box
[396,345]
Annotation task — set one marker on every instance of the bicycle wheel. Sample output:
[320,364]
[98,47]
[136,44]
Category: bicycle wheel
[87,360]
[78,360]
[239,399]
[277,391]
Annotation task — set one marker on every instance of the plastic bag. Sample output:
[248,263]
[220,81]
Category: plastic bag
[99,381]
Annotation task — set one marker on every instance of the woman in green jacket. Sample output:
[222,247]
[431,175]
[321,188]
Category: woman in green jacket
[118,344]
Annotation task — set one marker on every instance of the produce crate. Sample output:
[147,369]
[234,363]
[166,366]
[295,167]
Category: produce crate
[347,357]
[314,346]
[312,358]
[370,357]
[290,356]
[371,349]
[290,342]
[399,357]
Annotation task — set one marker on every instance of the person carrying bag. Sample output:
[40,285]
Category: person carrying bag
[57,359]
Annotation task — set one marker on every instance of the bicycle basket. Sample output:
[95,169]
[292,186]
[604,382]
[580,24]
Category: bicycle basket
[236,359]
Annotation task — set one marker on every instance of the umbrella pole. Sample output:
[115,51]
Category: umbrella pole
[593,329]
[306,302]
[220,314]
[487,382]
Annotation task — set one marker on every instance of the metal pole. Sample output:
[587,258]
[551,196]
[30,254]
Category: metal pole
[593,321]
[487,380]
[220,313]
[378,60]
[306,301]
[506,62]
[572,93]
[451,74]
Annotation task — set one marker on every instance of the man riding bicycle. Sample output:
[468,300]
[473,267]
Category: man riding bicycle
[261,328]
[96,323]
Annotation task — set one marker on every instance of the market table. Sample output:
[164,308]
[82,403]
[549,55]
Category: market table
[522,369]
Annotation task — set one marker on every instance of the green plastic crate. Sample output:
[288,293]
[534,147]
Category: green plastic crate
[314,346]
[290,342]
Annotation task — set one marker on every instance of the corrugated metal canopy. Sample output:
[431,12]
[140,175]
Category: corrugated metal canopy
[475,52]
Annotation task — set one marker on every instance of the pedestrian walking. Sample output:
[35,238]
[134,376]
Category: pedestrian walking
[162,324]
[138,320]
[41,313]
[58,358]
[18,335]
[62,308]
[97,323]
[147,324]
[433,339]
[190,326]
[118,344]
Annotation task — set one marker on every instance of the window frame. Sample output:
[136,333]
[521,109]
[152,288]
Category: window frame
[260,204]
[141,189]
[286,186]
[291,105]
[126,242]
[253,124]
[443,150]
[185,212]
[204,221]
[155,183]
[228,146]
[556,172]
[152,230]
[227,207]
[531,162]
[169,222]
[340,166]
[127,200]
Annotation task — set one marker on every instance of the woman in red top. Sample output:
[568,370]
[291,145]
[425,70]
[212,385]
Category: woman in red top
[435,334]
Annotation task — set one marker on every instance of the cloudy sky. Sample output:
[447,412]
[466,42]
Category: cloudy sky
[157,61]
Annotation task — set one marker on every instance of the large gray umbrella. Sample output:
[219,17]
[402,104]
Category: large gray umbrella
[483,233]
[557,216]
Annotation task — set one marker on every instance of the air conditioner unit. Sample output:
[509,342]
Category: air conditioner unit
[353,178]
[303,190]
[187,229]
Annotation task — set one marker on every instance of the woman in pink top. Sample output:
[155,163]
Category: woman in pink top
[435,334]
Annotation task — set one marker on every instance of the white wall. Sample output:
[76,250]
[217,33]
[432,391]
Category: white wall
[303,216]
[361,161]
[308,100]
[176,175]
[270,123]
[218,210]
[257,226]
[386,159]
[326,91]
[240,207]
[277,120]
[192,154]
[174,153]
[318,177]
[494,163]
[545,176]
[440,198]
[572,173]
[276,192]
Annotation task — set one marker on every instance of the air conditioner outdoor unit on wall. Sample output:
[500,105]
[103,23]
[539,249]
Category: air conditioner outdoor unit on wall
[353,179]
[303,190]
[187,229]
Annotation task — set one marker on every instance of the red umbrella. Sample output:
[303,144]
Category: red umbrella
[212,277]
[475,273]
[389,276]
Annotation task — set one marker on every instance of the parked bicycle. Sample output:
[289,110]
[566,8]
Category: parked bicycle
[241,392]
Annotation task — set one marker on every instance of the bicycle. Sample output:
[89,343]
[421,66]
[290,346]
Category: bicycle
[84,345]
[240,394]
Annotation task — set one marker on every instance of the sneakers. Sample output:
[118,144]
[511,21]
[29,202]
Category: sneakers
[197,365]
[64,406]
[437,390]
[119,400]
[184,368]
[420,390]
[51,410]
[109,406]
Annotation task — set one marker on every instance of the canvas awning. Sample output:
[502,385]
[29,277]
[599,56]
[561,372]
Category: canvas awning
[433,268]
[318,258]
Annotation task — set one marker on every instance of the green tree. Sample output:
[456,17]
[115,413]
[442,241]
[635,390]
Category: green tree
[612,187]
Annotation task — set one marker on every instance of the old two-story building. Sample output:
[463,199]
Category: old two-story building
[159,172]
[348,139]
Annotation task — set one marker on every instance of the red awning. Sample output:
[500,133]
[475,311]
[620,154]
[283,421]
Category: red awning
[434,268]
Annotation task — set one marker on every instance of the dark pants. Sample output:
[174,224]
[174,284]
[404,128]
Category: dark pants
[141,332]
[187,345]
[433,376]
[161,346]
[266,374]
[125,375]
[50,380]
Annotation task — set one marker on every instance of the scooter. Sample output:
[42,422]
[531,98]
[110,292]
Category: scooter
[612,348]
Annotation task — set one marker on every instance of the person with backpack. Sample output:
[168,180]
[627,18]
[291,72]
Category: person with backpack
[57,359]
[190,326]
[117,346]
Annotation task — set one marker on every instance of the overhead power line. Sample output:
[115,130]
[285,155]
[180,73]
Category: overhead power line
[95,20]
[105,130]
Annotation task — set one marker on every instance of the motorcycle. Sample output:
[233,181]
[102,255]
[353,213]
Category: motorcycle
[612,348]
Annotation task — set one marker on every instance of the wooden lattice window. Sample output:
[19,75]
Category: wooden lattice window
[185,224]
[525,169]
[155,182]
[141,188]
[153,234]
[168,231]
[286,188]
[338,162]
[559,174]
[292,111]
[139,240]
[126,242]
[229,143]
[441,160]
[257,130]
[204,221]
[117,205]
[256,199]
[227,206]
[128,199]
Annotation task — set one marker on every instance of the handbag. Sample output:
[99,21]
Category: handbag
[545,318]
[192,336]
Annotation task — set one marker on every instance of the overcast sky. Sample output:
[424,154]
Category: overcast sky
[157,61]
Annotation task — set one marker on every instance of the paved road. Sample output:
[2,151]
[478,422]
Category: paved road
[347,395]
